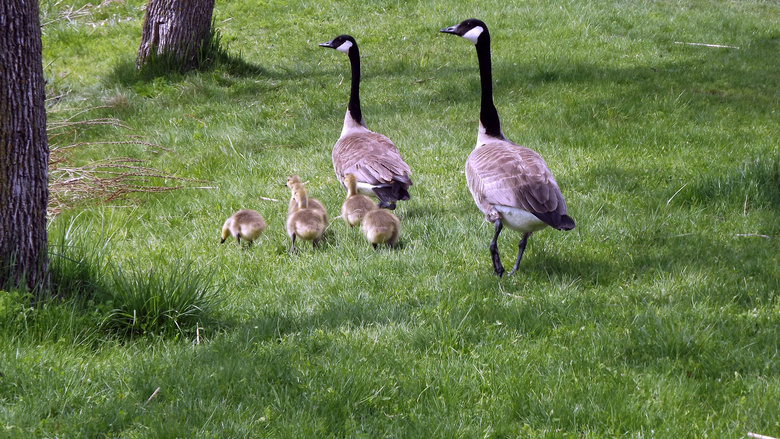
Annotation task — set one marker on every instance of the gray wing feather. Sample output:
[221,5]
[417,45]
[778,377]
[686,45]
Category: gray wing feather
[503,173]
[371,157]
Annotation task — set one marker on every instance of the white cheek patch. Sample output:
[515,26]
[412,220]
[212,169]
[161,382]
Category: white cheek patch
[473,34]
[345,46]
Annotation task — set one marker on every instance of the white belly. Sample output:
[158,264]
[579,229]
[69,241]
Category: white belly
[366,189]
[519,219]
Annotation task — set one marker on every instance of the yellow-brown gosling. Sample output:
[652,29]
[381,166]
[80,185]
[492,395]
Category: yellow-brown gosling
[305,223]
[246,224]
[381,227]
[294,182]
[356,205]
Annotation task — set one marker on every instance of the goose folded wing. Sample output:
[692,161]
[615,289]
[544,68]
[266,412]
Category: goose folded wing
[515,178]
[372,158]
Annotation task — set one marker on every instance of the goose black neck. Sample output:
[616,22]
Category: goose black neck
[354,94]
[488,115]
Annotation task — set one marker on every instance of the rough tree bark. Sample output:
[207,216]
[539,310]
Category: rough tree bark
[24,151]
[176,28]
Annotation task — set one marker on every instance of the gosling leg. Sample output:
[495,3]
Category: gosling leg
[292,243]
[498,269]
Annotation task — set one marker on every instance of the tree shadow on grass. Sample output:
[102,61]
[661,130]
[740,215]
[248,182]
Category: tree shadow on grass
[719,76]
[125,73]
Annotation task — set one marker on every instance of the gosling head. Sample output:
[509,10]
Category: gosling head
[292,180]
[226,230]
[350,182]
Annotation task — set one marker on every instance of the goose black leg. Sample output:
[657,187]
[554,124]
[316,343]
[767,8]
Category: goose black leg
[520,250]
[292,244]
[498,269]
[385,205]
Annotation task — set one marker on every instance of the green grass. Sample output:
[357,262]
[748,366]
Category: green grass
[656,317]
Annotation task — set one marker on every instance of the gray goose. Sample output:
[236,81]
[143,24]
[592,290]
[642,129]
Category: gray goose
[371,157]
[511,184]
[246,224]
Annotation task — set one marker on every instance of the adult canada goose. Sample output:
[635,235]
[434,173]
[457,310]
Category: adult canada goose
[246,224]
[381,227]
[305,223]
[294,182]
[511,184]
[371,157]
[356,205]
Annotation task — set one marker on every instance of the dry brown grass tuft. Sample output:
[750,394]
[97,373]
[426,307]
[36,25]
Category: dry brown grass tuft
[103,180]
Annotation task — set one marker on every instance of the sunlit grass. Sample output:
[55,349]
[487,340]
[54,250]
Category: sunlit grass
[656,316]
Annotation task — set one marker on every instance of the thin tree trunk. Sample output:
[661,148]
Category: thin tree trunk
[24,152]
[176,28]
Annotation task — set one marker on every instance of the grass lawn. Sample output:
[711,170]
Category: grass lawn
[657,316]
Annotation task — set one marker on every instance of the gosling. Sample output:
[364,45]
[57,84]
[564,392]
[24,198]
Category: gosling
[305,223]
[356,205]
[246,224]
[294,182]
[381,227]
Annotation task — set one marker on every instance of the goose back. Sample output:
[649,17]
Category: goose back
[501,173]
[372,158]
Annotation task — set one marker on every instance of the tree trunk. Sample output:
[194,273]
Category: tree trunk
[24,151]
[177,29]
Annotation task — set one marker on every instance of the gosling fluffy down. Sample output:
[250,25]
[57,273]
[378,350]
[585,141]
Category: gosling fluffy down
[294,182]
[381,227]
[305,223]
[356,205]
[246,224]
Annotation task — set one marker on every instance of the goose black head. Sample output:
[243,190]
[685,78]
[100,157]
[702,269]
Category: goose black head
[342,43]
[472,29]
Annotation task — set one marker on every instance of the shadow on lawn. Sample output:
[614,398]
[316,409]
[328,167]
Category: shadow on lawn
[719,75]
[125,74]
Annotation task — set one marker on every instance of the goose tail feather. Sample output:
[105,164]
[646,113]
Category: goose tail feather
[556,220]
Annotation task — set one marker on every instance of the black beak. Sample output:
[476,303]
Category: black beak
[328,44]
[449,30]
